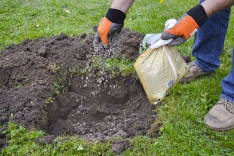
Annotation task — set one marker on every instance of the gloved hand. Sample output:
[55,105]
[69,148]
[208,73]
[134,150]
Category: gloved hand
[186,26]
[110,25]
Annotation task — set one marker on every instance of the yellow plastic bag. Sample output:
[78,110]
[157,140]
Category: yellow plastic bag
[159,69]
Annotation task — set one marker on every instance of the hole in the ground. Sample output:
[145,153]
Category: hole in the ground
[116,108]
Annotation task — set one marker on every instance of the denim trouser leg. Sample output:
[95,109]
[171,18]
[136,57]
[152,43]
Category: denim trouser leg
[208,47]
[209,41]
[228,84]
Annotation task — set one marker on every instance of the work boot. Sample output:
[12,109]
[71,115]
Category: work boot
[221,115]
[194,73]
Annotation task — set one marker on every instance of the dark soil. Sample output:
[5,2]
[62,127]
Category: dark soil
[41,87]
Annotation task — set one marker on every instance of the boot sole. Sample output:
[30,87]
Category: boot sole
[194,77]
[220,129]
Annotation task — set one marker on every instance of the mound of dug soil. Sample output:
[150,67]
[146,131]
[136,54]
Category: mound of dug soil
[50,84]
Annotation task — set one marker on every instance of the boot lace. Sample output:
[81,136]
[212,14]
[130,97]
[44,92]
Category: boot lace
[229,106]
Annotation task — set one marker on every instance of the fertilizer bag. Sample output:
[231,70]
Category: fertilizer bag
[159,68]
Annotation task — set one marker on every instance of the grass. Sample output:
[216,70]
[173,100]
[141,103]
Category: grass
[113,66]
[22,142]
[183,131]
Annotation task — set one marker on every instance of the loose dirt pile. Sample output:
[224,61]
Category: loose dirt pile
[50,84]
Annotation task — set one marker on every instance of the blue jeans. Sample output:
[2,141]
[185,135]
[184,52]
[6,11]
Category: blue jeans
[208,47]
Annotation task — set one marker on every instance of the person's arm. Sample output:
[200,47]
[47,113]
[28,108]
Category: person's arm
[122,5]
[213,6]
[193,20]
[113,22]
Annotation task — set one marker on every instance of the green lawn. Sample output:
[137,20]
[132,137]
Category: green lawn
[183,131]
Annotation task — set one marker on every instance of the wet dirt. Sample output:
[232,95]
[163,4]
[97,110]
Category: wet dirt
[50,84]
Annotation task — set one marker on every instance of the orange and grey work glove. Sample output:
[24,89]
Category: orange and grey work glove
[111,24]
[186,26]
